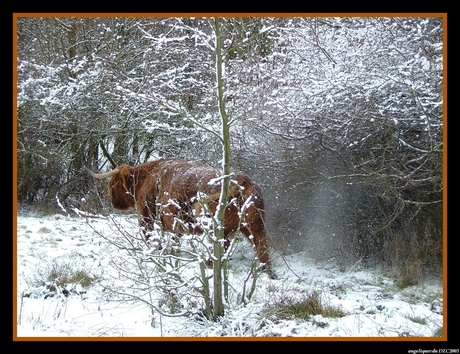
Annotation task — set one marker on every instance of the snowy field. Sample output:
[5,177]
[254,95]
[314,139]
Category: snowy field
[372,304]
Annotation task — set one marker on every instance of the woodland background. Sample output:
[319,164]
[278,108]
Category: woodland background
[339,119]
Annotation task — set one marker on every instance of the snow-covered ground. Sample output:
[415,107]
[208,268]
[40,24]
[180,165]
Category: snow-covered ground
[372,303]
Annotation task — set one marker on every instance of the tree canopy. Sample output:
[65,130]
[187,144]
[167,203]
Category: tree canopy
[340,119]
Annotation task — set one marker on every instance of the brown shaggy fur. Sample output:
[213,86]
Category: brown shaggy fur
[174,184]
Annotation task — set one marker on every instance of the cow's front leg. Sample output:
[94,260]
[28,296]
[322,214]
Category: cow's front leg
[146,225]
[147,222]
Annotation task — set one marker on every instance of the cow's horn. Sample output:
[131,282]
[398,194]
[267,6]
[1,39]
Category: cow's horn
[102,175]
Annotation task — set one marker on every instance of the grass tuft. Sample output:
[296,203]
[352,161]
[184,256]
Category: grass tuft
[289,307]
[416,319]
[60,274]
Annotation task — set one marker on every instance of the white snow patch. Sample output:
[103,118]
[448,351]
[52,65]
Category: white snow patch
[373,305]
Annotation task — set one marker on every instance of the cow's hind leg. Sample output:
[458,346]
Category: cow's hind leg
[258,238]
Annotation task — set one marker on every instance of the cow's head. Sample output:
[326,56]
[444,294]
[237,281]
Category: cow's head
[120,187]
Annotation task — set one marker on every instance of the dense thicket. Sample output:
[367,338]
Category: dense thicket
[339,119]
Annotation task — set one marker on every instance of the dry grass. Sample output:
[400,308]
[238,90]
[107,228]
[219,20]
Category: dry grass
[289,307]
[59,274]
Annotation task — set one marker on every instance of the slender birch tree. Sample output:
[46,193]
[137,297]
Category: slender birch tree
[220,266]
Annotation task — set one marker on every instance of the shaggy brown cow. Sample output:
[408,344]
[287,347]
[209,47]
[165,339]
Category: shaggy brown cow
[175,185]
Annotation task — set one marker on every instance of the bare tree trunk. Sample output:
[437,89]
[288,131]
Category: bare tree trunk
[219,263]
